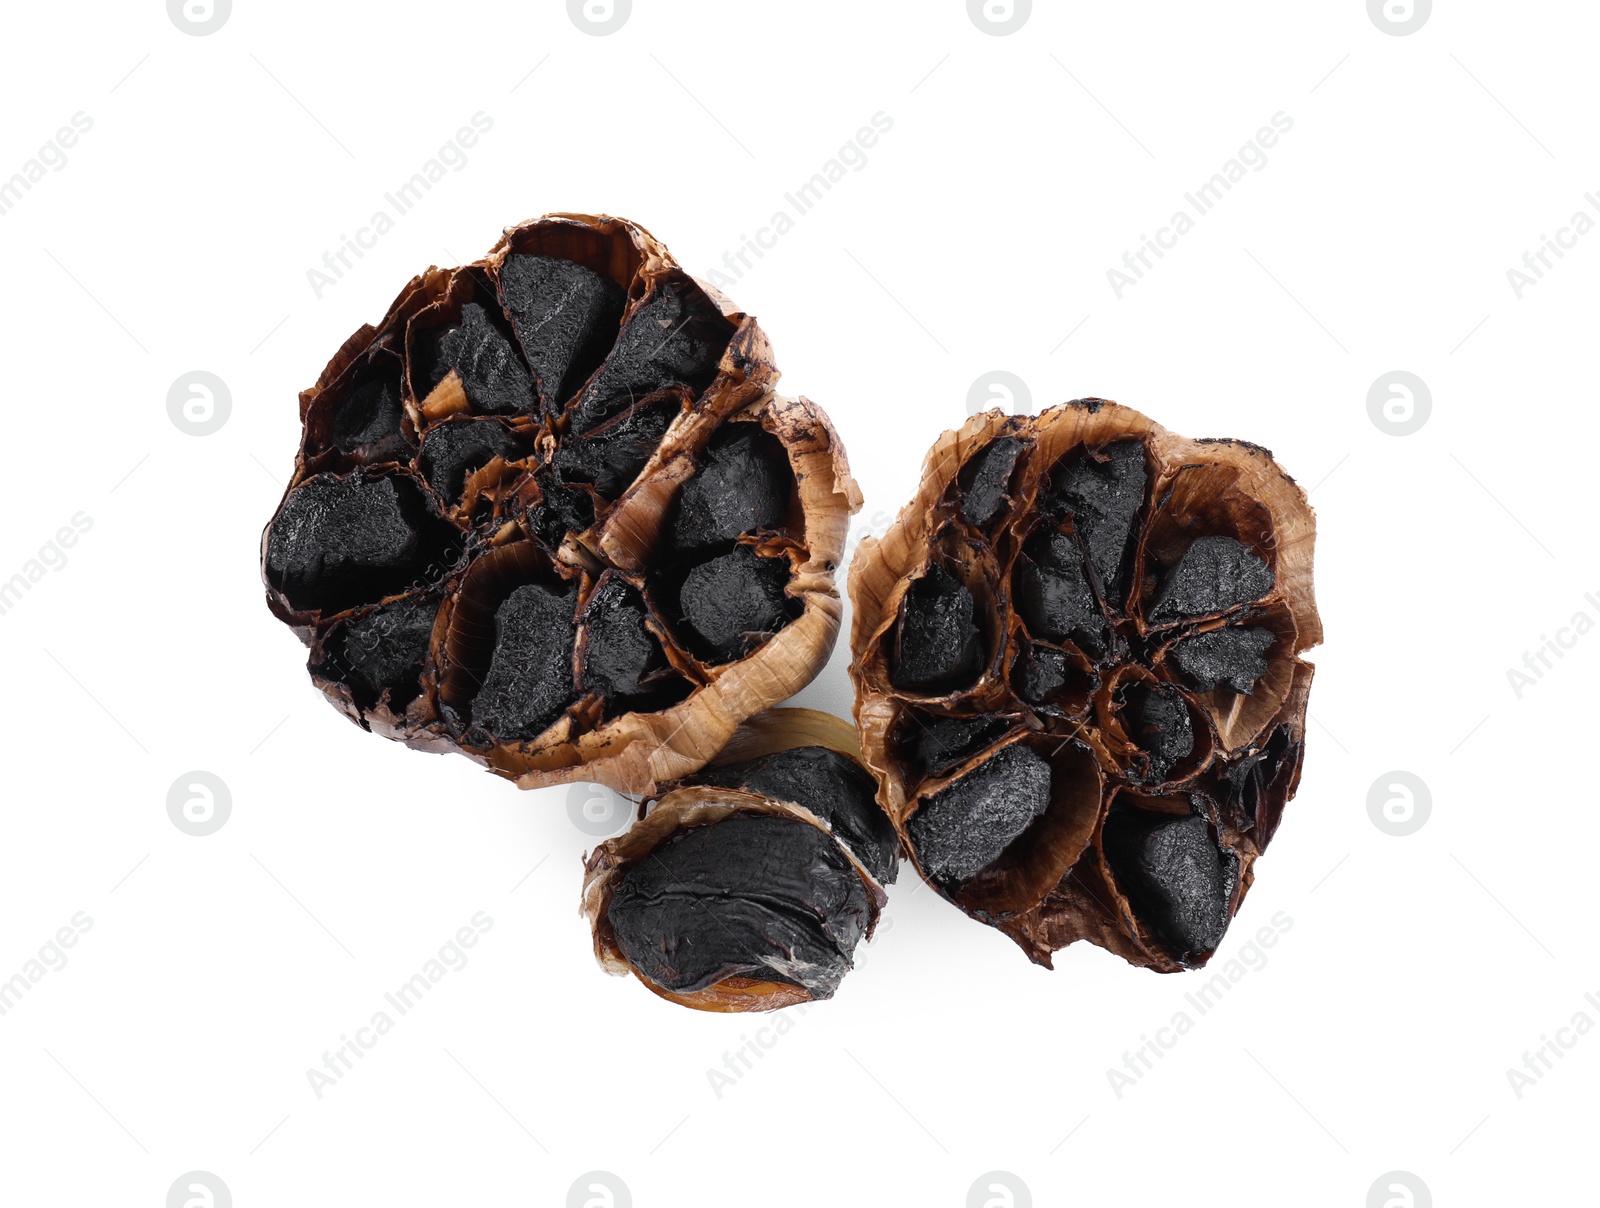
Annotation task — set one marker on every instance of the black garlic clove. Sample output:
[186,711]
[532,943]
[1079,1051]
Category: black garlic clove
[1174,875]
[1102,495]
[768,898]
[733,603]
[529,681]
[964,828]
[937,645]
[1214,574]
[743,485]
[494,378]
[565,316]
[1235,657]
[454,449]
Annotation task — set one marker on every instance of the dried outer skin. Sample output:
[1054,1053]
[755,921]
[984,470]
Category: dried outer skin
[962,829]
[726,899]
[582,295]
[1199,557]
[762,897]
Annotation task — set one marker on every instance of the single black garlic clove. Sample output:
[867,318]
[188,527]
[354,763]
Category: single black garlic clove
[1156,718]
[610,457]
[1054,598]
[621,653]
[368,418]
[565,317]
[743,485]
[765,898]
[733,603]
[452,450]
[1235,657]
[1041,673]
[494,378]
[530,674]
[384,650]
[1214,574]
[1174,875]
[962,829]
[985,480]
[937,645]
[1102,495]
[676,335]
[338,542]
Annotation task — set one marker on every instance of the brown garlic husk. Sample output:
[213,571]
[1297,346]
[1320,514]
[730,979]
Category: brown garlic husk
[1113,769]
[495,460]
[670,900]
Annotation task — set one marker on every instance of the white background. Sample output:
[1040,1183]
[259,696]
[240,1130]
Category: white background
[977,236]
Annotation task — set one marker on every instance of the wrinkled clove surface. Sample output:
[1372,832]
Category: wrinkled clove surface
[1113,770]
[747,886]
[548,512]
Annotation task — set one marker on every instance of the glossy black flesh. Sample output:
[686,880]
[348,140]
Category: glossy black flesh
[454,449]
[743,484]
[731,604]
[1212,575]
[962,829]
[339,542]
[833,787]
[611,456]
[1053,595]
[529,681]
[1156,718]
[367,420]
[937,647]
[1102,494]
[383,650]
[565,317]
[1174,875]
[621,653]
[1235,657]
[494,378]
[676,335]
[984,479]
[768,898]
[936,745]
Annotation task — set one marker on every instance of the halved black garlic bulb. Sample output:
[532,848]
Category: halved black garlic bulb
[747,885]
[550,514]
[1078,676]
